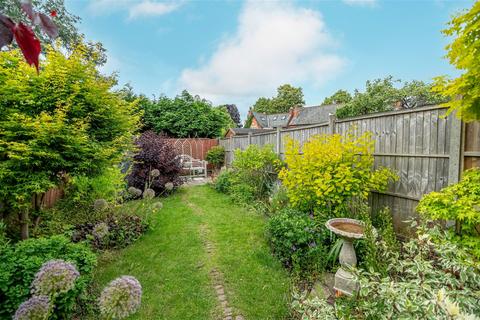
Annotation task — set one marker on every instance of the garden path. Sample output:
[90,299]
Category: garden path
[206,258]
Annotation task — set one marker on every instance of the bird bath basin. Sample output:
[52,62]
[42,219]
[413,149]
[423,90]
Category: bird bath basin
[348,230]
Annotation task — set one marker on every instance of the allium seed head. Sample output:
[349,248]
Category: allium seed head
[157,205]
[100,230]
[121,298]
[100,204]
[169,186]
[135,192]
[149,194]
[54,277]
[35,308]
[155,173]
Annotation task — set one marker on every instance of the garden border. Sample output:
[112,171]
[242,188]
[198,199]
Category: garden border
[427,146]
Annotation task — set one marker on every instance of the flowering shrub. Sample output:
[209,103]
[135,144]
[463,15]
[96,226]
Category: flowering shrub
[54,277]
[331,170]
[121,298]
[460,202]
[20,262]
[35,308]
[298,241]
[155,153]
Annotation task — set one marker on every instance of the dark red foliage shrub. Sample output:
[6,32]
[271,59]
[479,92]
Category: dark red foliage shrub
[154,153]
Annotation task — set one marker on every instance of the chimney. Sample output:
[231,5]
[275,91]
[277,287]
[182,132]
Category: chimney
[294,111]
[398,105]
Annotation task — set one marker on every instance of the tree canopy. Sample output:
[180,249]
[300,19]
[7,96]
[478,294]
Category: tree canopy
[286,98]
[186,116]
[382,95]
[464,54]
[341,96]
[234,114]
[63,121]
[65,21]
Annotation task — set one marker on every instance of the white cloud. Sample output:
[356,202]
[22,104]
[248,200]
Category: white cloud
[365,3]
[274,43]
[150,8]
[135,9]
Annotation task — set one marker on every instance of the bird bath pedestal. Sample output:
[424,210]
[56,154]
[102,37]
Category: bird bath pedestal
[348,230]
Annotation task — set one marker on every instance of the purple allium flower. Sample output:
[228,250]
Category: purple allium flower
[121,298]
[149,194]
[294,248]
[169,186]
[157,205]
[100,204]
[35,308]
[100,230]
[54,277]
[312,244]
[155,173]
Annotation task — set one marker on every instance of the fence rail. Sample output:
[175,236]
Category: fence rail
[426,148]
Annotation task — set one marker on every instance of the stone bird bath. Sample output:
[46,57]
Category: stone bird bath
[348,230]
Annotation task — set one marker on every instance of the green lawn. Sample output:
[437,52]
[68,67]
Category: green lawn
[173,265]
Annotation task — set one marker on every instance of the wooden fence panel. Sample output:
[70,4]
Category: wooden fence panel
[472,145]
[194,147]
[423,146]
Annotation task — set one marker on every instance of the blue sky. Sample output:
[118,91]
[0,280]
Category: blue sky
[235,52]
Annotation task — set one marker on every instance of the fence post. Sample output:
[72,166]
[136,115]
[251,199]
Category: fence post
[278,140]
[331,125]
[231,150]
[249,138]
[455,152]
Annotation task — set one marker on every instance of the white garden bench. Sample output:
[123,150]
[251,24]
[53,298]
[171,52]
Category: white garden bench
[195,167]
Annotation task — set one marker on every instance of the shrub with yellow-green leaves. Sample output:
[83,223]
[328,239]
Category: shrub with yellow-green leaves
[329,171]
[63,121]
[459,202]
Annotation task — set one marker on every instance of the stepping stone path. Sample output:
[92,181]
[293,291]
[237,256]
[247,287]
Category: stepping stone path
[215,274]
[218,283]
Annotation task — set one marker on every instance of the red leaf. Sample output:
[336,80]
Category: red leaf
[28,43]
[28,9]
[53,13]
[48,26]
[6,32]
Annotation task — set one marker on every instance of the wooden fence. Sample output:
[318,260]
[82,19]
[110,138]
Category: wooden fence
[426,149]
[194,147]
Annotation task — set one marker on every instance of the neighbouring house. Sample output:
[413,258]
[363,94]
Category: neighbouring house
[304,116]
[244,131]
[298,116]
[269,121]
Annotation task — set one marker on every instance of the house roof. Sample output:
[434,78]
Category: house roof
[313,115]
[272,120]
[245,131]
